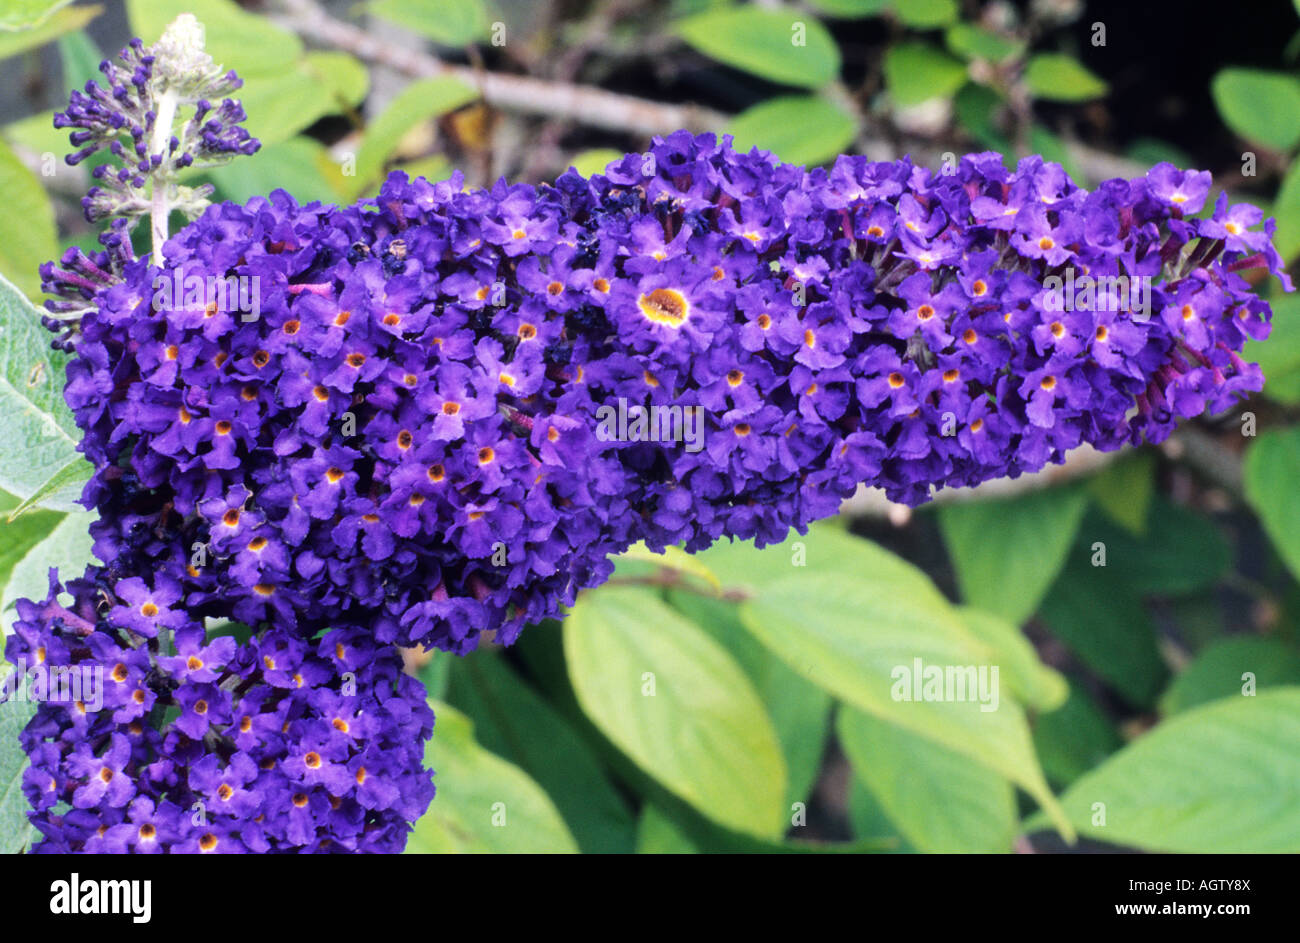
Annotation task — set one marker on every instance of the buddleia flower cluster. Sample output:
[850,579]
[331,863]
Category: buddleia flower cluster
[404,424]
[198,743]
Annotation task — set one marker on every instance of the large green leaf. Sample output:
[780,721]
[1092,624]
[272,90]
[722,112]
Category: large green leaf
[1217,672]
[235,38]
[1223,778]
[941,800]
[36,426]
[800,711]
[1062,78]
[1033,683]
[483,803]
[1270,475]
[1286,209]
[24,14]
[60,22]
[861,639]
[925,14]
[917,72]
[1104,622]
[1279,354]
[512,721]
[67,547]
[1008,551]
[15,831]
[763,42]
[449,22]
[300,165]
[1181,552]
[418,102]
[280,104]
[799,129]
[20,535]
[1074,738]
[851,9]
[974,42]
[1260,106]
[678,705]
[27,236]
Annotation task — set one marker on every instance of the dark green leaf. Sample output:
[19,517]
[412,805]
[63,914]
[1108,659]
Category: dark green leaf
[1218,672]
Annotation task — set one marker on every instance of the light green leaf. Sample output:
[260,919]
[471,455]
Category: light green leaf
[799,129]
[36,426]
[861,639]
[974,42]
[779,46]
[1223,778]
[483,803]
[300,165]
[235,38]
[24,14]
[1286,210]
[66,20]
[1008,551]
[675,559]
[1269,478]
[16,833]
[678,705]
[916,72]
[942,801]
[59,488]
[1260,106]
[447,22]
[1060,77]
[17,537]
[1218,672]
[657,834]
[1123,490]
[512,721]
[925,14]
[851,9]
[27,236]
[1034,684]
[67,548]
[417,103]
[345,76]
[592,162]
[281,104]
[800,711]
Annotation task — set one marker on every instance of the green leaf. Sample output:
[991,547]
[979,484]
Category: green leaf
[1034,684]
[67,547]
[942,801]
[16,833]
[678,705]
[1123,490]
[592,162]
[1286,210]
[1103,621]
[1217,672]
[24,14]
[799,129]
[81,59]
[1008,551]
[925,14]
[1259,106]
[300,165]
[417,103]
[800,711]
[19,536]
[1051,147]
[483,803]
[36,426]
[657,834]
[1181,552]
[62,21]
[27,236]
[447,22]
[60,486]
[676,560]
[515,723]
[974,42]
[917,72]
[861,639]
[250,44]
[344,76]
[851,9]
[1060,77]
[763,43]
[868,820]
[1074,738]
[976,108]
[281,104]
[1269,478]
[1223,778]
